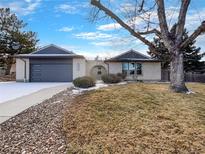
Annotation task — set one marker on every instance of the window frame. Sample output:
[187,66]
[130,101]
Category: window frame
[126,68]
[137,68]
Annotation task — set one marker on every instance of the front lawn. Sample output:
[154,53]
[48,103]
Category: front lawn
[139,117]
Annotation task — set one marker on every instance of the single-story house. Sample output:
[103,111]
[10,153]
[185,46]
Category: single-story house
[55,64]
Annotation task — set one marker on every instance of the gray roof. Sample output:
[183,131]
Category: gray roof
[50,51]
[131,55]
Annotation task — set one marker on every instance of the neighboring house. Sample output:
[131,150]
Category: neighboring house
[55,64]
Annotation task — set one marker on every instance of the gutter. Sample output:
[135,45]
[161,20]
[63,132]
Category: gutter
[25,77]
[49,56]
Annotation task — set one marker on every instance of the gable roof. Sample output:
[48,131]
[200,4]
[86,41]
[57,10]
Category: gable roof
[130,55]
[52,49]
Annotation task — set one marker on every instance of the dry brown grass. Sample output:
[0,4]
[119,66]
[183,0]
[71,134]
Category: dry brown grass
[137,118]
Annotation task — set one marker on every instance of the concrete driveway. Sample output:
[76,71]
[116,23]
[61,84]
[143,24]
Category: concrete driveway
[16,97]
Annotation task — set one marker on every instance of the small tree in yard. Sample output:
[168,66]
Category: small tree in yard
[191,54]
[13,40]
[173,41]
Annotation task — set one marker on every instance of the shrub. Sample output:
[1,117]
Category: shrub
[121,75]
[84,82]
[111,78]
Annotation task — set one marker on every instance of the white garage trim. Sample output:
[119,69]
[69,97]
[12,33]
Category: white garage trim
[79,67]
[22,67]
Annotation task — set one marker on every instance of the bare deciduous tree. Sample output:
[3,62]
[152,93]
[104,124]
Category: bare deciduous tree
[174,43]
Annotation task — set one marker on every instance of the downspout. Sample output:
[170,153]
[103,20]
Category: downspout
[25,77]
[108,69]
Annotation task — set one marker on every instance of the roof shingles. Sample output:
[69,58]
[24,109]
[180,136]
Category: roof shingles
[52,49]
[130,55]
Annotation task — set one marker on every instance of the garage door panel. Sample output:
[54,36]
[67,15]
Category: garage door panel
[36,74]
[57,66]
[49,72]
[51,61]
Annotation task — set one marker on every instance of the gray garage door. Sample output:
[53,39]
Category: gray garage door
[51,70]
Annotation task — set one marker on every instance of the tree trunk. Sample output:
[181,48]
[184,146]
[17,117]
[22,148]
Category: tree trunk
[9,63]
[177,74]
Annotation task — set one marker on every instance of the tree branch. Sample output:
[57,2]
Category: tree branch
[153,31]
[181,19]
[122,23]
[141,6]
[162,19]
[194,35]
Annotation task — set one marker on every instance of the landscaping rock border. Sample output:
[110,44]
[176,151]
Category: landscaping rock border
[37,129]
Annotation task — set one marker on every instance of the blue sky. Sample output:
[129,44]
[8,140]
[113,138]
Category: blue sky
[66,23]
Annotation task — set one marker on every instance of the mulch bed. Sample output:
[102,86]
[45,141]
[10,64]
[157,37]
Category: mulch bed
[37,129]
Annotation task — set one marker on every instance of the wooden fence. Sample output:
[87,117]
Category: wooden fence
[189,77]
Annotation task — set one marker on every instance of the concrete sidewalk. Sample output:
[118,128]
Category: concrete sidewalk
[11,108]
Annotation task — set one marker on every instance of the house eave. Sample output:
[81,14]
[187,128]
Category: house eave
[48,56]
[132,60]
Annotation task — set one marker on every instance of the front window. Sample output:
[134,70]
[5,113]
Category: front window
[125,68]
[131,68]
[139,68]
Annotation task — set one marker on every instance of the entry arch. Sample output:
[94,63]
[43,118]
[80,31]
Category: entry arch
[98,71]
